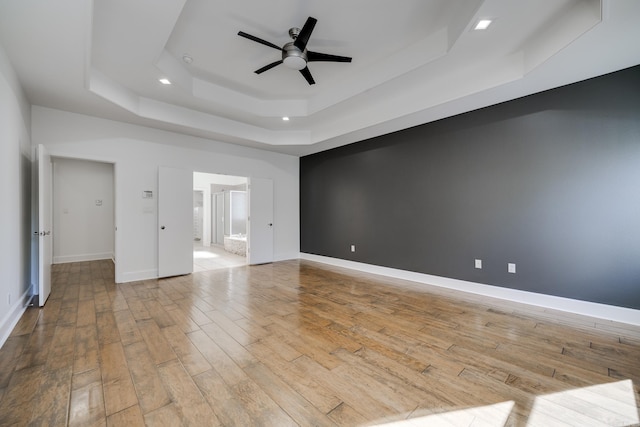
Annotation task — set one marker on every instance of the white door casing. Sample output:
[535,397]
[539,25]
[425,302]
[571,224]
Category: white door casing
[260,233]
[45,238]
[175,221]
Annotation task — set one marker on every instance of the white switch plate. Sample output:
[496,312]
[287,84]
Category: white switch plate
[478,264]
[353,248]
[511,267]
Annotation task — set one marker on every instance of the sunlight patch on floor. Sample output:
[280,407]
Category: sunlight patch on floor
[612,404]
[495,415]
[204,255]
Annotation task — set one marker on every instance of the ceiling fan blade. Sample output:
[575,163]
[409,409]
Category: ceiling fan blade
[259,40]
[307,75]
[316,56]
[268,67]
[305,33]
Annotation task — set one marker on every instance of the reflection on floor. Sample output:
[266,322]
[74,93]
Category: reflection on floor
[214,257]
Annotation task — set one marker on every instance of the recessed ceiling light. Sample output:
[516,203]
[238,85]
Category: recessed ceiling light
[165,81]
[483,24]
[285,118]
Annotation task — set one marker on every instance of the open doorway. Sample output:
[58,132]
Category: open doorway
[220,216]
[83,210]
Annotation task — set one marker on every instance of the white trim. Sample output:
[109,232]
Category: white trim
[285,256]
[12,317]
[585,308]
[83,257]
[134,276]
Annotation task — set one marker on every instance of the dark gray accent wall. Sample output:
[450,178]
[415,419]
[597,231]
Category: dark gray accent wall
[550,182]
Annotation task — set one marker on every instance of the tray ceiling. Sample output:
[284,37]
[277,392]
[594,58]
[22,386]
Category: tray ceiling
[413,61]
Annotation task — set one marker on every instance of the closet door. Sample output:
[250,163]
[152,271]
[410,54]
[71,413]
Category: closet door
[175,222]
[260,233]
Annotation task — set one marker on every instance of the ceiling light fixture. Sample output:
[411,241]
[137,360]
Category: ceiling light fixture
[295,54]
[483,24]
[285,119]
[187,59]
[164,81]
[295,58]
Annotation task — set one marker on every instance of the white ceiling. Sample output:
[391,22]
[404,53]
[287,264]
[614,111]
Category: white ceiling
[414,61]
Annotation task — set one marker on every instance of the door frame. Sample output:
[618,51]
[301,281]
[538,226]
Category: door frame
[116,201]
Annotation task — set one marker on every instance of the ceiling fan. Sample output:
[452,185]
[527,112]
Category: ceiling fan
[295,54]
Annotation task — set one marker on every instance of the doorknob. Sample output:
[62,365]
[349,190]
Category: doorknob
[162,228]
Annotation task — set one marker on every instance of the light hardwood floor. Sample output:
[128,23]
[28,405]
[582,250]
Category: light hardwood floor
[214,257]
[298,343]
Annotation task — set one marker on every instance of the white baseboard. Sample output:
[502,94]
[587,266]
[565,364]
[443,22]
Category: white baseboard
[134,276]
[11,319]
[286,256]
[585,308]
[63,259]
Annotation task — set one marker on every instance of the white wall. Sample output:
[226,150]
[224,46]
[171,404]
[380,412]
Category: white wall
[138,152]
[15,198]
[83,227]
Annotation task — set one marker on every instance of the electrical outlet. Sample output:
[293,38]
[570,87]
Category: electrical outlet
[353,248]
[511,268]
[478,264]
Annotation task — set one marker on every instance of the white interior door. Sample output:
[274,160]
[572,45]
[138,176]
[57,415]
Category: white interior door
[175,222]
[260,235]
[45,242]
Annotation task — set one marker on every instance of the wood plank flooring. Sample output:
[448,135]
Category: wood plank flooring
[299,343]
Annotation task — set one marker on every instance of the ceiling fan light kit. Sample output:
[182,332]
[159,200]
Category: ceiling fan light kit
[293,58]
[295,54]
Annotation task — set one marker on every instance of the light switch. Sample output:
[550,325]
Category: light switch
[479,264]
[511,268]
